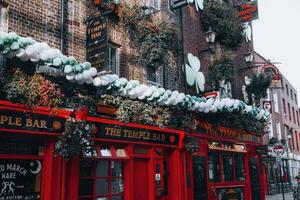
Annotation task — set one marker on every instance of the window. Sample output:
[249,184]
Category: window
[231,165]
[155,4]
[297,140]
[292,96]
[289,108]
[3,17]
[227,161]
[155,75]
[287,89]
[294,118]
[278,130]
[275,100]
[296,99]
[297,115]
[101,179]
[225,90]
[284,107]
[113,59]
[213,167]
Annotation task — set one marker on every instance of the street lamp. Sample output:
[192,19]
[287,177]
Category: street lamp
[248,57]
[210,37]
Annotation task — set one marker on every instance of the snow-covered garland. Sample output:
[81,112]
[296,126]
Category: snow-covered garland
[13,45]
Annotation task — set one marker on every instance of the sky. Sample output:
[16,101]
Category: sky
[276,36]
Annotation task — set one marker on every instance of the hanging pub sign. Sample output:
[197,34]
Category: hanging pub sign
[114,132]
[248,11]
[20,179]
[272,71]
[97,42]
[32,122]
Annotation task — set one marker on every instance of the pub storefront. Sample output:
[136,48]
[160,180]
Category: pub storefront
[226,165]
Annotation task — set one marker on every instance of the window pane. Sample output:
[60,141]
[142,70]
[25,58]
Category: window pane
[102,198]
[117,186]
[117,198]
[86,186]
[239,167]
[102,168]
[117,168]
[101,186]
[213,167]
[86,168]
[227,167]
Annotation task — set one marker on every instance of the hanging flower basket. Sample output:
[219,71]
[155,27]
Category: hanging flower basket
[191,144]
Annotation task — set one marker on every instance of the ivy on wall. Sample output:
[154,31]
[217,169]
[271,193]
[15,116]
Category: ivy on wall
[223,20]
[221,68]
[154,35]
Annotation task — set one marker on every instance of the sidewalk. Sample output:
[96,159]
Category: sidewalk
[288,196]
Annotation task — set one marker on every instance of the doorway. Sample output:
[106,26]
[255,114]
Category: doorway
[140,179]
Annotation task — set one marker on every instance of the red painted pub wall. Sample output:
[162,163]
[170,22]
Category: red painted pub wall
[133,161]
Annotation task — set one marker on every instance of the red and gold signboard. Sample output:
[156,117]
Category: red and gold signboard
[248,11]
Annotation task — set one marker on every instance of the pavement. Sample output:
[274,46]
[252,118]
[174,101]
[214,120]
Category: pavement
[288,196]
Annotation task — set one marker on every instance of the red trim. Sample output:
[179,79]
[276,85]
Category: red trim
[18,131]
[21,157]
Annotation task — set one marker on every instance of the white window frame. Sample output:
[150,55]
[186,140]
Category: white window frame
[155,4]
[275,102]
[116,69]
[159,76]
[225,90]
[3,17]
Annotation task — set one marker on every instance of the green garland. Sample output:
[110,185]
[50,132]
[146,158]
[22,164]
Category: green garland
[76,139]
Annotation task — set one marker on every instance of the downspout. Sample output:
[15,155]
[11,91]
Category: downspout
[62,26]
[183,50]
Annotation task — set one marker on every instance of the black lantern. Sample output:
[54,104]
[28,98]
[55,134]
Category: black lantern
[210,36]
[248,57]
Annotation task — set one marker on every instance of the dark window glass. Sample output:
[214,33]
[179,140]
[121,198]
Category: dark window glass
[86,168]
[213,167]
[239,167]
[112,59]
[151,75]
[227,167]
[86,186]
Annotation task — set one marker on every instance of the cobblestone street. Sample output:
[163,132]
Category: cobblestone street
[288,196]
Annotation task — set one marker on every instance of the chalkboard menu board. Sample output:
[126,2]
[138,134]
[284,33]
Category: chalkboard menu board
[97,42]
[20,179]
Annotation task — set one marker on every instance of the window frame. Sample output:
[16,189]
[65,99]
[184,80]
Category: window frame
[110,179]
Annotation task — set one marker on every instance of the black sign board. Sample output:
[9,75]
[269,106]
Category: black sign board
[30,121]
[262,150]
[97,42]
[20,179]
[109,131]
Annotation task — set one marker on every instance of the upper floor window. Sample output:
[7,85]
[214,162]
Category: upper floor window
[296,99]
[284,107]
[287,89]
[3,17]
[155,75]
[289,108]
[294,118]
[292,94]
[113,59]
[275,100]
[225,90]
[278,130]
[297,115]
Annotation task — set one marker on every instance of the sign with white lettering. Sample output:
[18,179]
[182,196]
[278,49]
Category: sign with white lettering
[20,179]
[109,131]
[30,121]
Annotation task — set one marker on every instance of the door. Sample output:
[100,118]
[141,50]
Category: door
[140,179]
[200,179]
[254,178]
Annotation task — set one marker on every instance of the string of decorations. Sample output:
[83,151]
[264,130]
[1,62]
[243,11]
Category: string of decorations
[13,45]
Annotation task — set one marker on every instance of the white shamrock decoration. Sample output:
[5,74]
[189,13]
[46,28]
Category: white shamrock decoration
[198,4]
[193,74]
[247,32]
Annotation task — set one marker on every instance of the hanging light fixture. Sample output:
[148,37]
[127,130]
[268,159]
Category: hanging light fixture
[210,36]
[248,57]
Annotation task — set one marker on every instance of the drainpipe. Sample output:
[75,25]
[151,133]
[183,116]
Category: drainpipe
[183,50]
[62,26]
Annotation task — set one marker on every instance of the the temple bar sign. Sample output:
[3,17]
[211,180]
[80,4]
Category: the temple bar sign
[32,122]
[248,11]
[96,42]
[109,131]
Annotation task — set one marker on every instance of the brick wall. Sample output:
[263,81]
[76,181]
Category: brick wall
[41,20]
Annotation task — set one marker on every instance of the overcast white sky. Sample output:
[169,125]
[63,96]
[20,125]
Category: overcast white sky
[277,36]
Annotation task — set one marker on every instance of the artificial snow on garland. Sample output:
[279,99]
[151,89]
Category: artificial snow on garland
[198,4]
[13,45]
